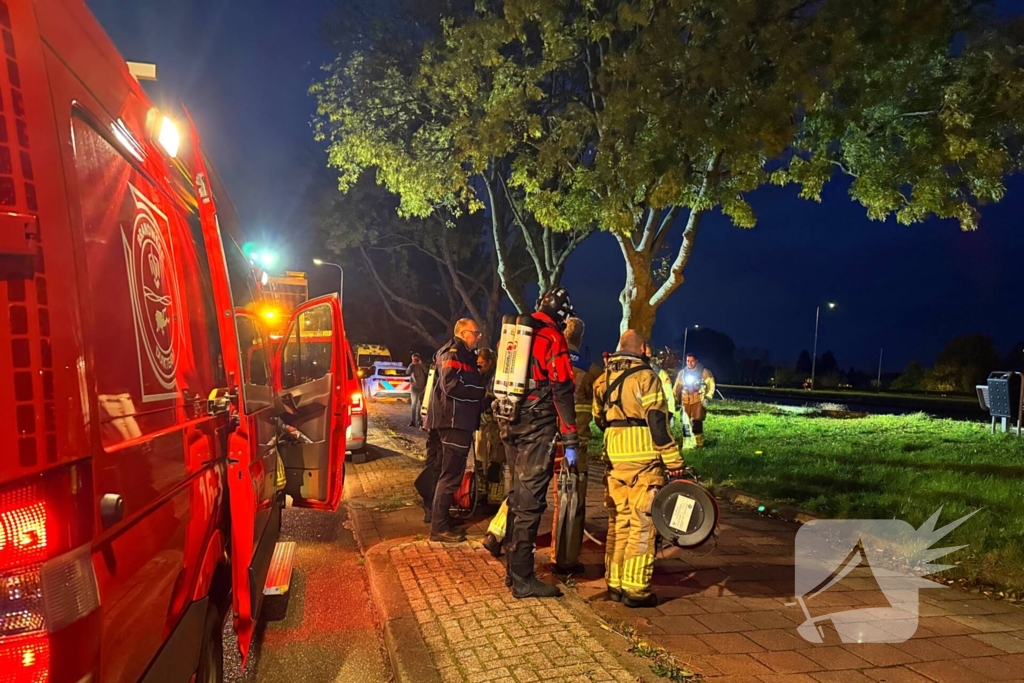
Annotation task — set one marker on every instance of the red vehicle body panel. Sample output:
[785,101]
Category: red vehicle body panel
[115,330]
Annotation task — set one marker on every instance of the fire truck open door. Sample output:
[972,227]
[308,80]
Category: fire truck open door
[310,374]
[254,516]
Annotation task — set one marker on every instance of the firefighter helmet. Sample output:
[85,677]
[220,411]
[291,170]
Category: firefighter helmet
[555,304]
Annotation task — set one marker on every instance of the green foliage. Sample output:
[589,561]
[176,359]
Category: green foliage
[624,115]
[788,377]
[912,378]
[962,364]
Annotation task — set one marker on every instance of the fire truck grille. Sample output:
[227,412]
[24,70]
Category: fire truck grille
[24,299]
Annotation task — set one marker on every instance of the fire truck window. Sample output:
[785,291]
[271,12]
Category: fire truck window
[241,276]
[255,369]
[152,325]
[350,372]
[309,349]
[202,309]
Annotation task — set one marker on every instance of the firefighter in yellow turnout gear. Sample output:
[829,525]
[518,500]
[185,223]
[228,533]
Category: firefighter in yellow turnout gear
[630,404]
[694,387]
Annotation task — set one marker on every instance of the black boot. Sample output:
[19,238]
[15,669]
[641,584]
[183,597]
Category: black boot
[532,587]
[492,545]
[615,594]
[508,565]
[650,600]
[448,537]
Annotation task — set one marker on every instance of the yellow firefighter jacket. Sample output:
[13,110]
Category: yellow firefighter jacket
[629,403]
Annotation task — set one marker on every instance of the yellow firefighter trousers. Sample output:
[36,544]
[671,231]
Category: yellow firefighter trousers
[630,488]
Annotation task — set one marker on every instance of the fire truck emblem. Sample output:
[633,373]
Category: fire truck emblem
[154,296]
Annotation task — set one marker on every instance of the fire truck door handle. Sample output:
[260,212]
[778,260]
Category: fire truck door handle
[111,510]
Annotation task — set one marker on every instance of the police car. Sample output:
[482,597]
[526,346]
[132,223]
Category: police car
[388,380]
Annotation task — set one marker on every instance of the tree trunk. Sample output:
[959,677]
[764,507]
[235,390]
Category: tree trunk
[641,295]
[637,312]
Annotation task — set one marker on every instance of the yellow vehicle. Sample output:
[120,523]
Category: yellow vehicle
[369,354]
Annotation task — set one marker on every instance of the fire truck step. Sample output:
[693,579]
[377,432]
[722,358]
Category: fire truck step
[280,575]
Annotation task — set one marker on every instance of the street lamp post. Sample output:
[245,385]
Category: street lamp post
[686,334]
[814,356]
[341,278]
[878,382]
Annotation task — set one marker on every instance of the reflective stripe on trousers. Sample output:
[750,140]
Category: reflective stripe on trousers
[630,488]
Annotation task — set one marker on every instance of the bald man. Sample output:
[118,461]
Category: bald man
[453,414]
[630,405]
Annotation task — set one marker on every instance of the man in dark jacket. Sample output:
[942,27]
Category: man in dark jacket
[418,381]
[453,414]
[548,412]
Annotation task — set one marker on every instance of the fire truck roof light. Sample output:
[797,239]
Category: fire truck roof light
[169,138]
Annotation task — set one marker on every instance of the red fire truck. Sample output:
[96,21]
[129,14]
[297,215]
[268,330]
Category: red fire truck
[141,483]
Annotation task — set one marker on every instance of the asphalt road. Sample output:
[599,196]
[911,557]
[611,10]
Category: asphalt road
[325,630]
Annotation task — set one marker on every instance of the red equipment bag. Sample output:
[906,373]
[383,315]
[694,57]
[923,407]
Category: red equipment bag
[465,497]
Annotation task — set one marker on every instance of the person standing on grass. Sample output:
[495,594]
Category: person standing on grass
[453,414]
[418,381]
[694,388]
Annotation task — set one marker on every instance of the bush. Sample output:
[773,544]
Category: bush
[788,377]
[912,379]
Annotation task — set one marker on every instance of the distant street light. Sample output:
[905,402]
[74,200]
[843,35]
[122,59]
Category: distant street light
[341,278]
[878,382]
[814,357]
[686,333]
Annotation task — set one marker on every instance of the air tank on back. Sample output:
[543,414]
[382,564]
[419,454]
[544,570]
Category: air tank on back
[512,370]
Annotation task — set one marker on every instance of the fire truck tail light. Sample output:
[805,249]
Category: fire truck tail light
[25,659]
[21,603]
[23,534]
[357,403]
[69,588]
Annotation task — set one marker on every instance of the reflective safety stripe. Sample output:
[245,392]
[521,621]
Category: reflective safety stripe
[637,573]
[457,365]
[613,575]
[649,399]
[629,444]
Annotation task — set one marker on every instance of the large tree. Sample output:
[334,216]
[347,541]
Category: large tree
[639,117]
[444,139]
[428,272]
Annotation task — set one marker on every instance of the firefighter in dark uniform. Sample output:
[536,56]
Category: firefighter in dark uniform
[629,403]
[453,414]
[694,387]
[547,411]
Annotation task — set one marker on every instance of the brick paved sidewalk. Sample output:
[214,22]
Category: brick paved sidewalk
[726,610]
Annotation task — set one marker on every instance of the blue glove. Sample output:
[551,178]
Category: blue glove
[570,456]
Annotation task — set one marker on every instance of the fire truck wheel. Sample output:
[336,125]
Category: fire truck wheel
[211,658]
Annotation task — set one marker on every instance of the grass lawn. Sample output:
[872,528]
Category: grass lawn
[880,467]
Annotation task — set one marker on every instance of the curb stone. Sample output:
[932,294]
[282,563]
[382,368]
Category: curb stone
[406,647]
[786,512]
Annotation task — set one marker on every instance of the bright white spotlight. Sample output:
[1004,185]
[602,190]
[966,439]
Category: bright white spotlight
[169,138]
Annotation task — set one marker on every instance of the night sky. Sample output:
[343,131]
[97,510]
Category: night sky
[243,68]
